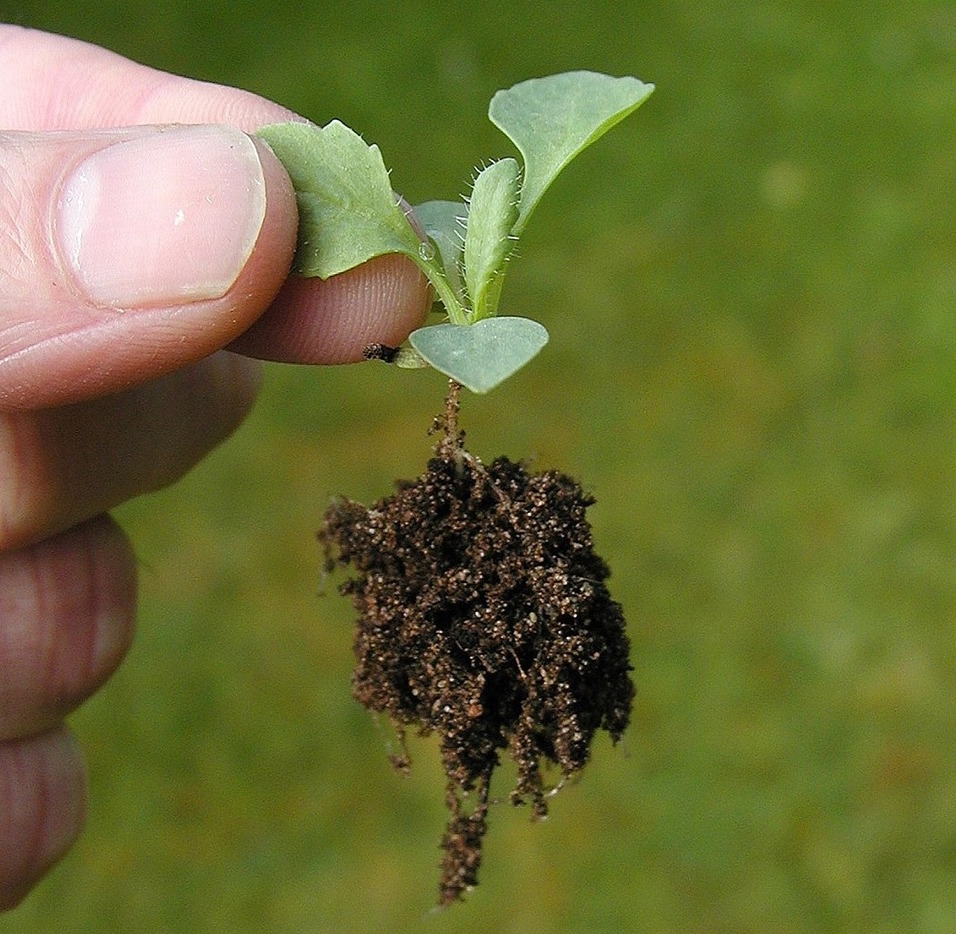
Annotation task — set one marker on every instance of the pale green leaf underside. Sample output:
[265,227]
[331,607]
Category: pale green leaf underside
[347,210]
[553,119]
[483,354]
[444,223]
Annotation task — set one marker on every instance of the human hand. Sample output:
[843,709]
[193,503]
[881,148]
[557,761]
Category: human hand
[129,257]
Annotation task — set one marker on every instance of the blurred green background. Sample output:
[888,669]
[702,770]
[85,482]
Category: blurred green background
[750,288]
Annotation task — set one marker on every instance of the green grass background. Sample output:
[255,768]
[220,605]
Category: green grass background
[751,292]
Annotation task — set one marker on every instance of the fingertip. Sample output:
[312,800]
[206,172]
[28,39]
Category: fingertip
[271,258]
[333,320]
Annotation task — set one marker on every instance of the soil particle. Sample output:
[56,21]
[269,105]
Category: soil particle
[484,618]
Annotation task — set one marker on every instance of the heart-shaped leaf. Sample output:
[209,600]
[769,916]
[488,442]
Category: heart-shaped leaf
[552,119]
[480,355]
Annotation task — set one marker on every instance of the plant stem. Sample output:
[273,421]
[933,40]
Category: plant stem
[457,313]
[452,442]
[452,406]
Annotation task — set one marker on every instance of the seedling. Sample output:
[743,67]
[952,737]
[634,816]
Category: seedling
[348,214]
[484,615]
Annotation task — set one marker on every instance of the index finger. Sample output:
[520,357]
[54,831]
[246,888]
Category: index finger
[53,82]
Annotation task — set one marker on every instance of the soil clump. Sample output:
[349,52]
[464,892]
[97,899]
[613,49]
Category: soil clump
[483,617]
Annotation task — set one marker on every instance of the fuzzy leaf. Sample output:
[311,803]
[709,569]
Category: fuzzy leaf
[553,119]
[480,355]
[347,210]
[492,211]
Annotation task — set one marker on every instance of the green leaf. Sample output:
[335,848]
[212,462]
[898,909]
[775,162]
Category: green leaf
[347,210]
[492,211]
[553,119]
[349,214]
[444,223]
[480,355]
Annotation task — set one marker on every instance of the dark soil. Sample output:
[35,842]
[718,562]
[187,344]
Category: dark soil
[484,618]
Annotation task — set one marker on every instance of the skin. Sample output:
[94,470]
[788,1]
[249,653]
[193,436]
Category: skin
[103,400]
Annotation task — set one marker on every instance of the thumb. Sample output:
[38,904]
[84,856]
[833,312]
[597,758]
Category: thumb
[130,253]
